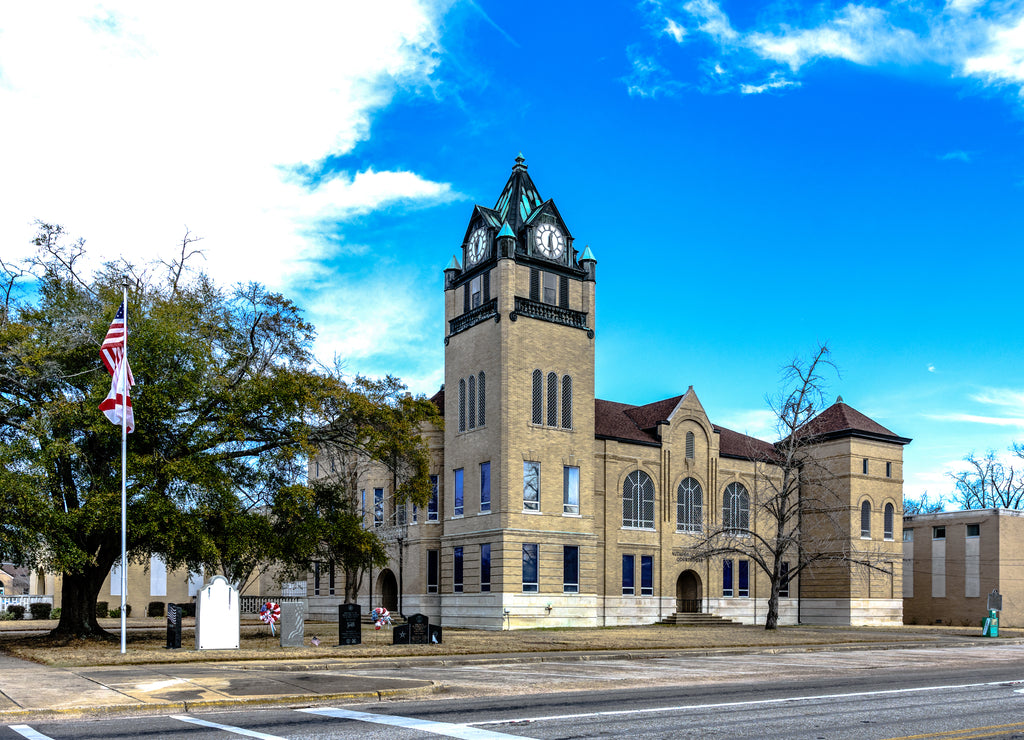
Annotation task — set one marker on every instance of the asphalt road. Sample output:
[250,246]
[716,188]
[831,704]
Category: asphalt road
[943,693]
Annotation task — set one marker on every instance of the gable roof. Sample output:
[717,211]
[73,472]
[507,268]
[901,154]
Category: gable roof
[742,447]
[612,421]
[840,420]
[519,198]
[438,400]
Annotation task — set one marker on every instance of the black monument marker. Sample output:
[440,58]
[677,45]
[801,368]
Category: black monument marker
[350,627]
[173,626]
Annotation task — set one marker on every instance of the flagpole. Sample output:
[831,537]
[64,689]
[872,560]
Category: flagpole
[124,471]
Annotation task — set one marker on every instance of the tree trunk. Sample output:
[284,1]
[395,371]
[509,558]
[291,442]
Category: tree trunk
[78,605]
[771,621]
[353,582]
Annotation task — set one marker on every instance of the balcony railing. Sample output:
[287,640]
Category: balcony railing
[554,314]
[473,317]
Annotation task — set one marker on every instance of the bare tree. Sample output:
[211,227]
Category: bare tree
[988,483]
[922,505]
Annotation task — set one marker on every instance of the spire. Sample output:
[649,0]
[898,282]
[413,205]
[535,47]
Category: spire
[519,198]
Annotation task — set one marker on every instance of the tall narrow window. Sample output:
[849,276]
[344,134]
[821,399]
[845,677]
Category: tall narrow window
[485,566]
[462,405]
[689,506]
[638,500]
[570,569]
[864,466]
[552,400]
[727,579]
[865,520]
[531,486]
[400,513]
[457,570]
[472,402]
[550,288]
[316,577]
[646,575]
[566,402]
[432,505]
[457,511]
[736,509]
[784,578]
[481,397]
[485,486]
[530,567]
[690,445]
[628,575]
[743,585]
[888,470]
[378,507]
[570,490]
[534,285]
[362,511]
[538,397]
[476,288]
[330,578]
[433,557]
[563,292]
[887,522]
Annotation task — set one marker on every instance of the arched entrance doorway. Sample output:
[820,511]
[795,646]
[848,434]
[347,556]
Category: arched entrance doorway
[387,587]
[689,593]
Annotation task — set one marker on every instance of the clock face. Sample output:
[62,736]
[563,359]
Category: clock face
[476,246]
[549,241]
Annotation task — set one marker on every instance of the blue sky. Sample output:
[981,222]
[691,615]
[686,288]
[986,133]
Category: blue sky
[753,178]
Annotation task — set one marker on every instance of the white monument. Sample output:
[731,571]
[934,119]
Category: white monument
[217,616]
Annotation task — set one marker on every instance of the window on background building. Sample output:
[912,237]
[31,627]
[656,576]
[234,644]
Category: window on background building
[538,397]
[727,579]
[570,569]
[531,486]
[458,493]
[784,578]
[432,504]
[316,577]
[552,400]
[157,576]
[400,517]
[888,522]
[743,578]
[570,490]
[888,470]
[628,575]
[865,520]
[864,466]
[481,405]
[550,288]
[938,533]
[415,512]
[566,402]
[485,567]
[330,578]
[485,486]
[908,535]
[433,562]
[638,501]
[457,570]
[476,291]
[646,575]
[362,509]
[530,567]
[736,509]
[691,446]
[472,402]
[974,530]
[689,506]
[378,507]
[462,405]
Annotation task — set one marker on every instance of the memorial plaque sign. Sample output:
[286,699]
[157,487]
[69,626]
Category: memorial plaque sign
[217,616]
[995,600]
[173,626]
[418,629]
[400,634]
[435,634]
[293,629]
[350,628]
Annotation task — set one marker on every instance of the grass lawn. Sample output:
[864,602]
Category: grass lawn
[147,638]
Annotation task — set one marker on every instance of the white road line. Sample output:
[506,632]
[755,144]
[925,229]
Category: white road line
[754,703]
[226,728]
[26,731]
[465,732]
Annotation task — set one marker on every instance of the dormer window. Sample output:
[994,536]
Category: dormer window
[476,291]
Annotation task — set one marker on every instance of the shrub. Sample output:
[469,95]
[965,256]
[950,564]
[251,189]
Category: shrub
[55,613]
[40,611]
[188,610]
[102,609]
[156,609]
[17,610]
[6,616]
[116,611]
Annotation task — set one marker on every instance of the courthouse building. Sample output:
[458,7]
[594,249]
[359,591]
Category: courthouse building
[554,508]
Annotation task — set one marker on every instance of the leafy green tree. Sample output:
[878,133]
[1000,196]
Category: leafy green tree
[228,406]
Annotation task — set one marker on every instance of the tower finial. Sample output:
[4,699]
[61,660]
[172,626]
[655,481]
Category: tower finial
[520,162]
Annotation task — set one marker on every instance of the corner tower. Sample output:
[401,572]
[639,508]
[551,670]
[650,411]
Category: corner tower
[519,416]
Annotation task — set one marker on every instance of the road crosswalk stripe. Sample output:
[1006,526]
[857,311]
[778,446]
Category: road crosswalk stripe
[226,728]
[463,732]
[26,731]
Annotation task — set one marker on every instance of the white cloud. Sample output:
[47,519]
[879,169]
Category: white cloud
[675,30]
[712,20]
[1002,421]
[1001,61]
[759,423]
[931,368]
[773,84]
[126,121]
[958,155]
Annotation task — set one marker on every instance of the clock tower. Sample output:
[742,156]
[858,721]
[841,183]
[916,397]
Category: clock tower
[519,411]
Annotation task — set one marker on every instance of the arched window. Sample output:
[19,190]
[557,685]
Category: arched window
[865,520]
[472,402]
[690,446]
[552,400]
[480,404]
[462,405]
[638,500]
[566,402]
[689,506]
[736,509]
[538,397]
[887,525]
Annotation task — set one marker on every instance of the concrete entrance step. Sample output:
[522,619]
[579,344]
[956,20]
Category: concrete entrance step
[697,620]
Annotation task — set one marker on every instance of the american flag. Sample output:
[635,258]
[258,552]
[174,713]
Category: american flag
[112,352]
